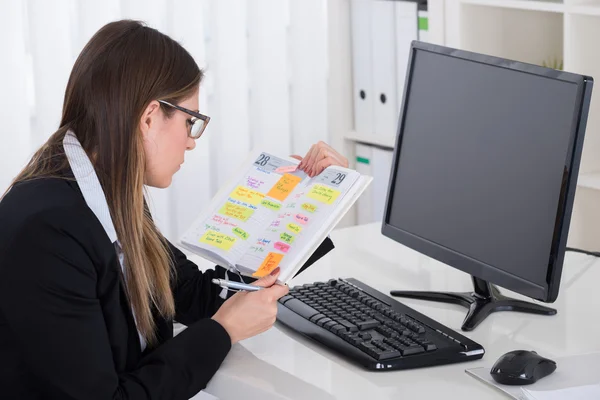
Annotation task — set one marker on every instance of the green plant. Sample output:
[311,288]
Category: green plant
[553,63]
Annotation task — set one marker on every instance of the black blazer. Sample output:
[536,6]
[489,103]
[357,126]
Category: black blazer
[66,326]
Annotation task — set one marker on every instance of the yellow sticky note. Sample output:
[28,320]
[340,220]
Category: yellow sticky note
[324,194]
[217,239]
[284,187]
[286,237]
[247,195]
[294,228]
[273,205]
[309,207]
[270,262]
[236,211]
[242,234]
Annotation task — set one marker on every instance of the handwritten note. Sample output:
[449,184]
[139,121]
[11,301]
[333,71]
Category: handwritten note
[222,220]
[239,232]
[270,262]
[323,193]
[301,219]
[294,228]
[284,187]
[217,239]
[282,246]
[273,205]
[236,211]
[286,237]
[248,195]
[289,168]
[253,182]
[309,207]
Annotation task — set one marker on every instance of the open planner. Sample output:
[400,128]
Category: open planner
[271,214]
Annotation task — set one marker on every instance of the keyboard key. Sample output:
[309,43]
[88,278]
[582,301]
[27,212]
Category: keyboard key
[410,350]
[348,325]
[337,327]
[388,354]
[369,324]
[329,325]
[285,298]
[429,346]
[300,308]
[315,318]
[365,335]
[323,321]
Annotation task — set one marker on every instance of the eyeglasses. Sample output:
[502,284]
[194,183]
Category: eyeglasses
[197,123]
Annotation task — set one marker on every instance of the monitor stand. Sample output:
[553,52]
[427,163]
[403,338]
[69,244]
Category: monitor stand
[485,300]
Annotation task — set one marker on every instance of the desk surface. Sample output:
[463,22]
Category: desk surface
[281,364]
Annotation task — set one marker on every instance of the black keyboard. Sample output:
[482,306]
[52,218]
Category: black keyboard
[370,328]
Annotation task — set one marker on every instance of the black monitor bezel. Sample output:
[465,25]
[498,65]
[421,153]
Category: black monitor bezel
[544,291]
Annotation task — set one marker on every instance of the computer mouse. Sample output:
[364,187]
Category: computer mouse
[521,367]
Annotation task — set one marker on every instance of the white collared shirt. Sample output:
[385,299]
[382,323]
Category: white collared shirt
[88,182]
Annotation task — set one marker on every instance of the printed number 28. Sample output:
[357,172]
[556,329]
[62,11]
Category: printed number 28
[338,179]
[262,160]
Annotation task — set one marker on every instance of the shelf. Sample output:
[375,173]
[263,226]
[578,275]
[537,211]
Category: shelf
[532,5]
[590,180]
[592,9]
[377,140]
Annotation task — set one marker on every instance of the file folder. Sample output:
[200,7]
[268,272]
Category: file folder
[364,204]
[384,67]
[363,95]
[406,32]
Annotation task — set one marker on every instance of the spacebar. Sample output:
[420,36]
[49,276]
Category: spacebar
[300,308]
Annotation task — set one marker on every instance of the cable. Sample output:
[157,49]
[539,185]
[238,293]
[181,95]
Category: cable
[589,253]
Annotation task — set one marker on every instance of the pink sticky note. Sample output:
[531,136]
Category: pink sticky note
[289,168]
[282,246]
[302,219]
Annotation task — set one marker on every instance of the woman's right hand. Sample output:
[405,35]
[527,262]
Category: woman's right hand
[246,314]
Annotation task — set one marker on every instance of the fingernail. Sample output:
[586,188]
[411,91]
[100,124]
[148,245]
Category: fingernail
[275,271]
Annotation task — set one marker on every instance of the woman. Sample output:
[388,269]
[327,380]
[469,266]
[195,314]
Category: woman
[89,287]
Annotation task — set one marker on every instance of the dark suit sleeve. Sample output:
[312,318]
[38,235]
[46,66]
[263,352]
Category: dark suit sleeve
[197,297]
[48,296]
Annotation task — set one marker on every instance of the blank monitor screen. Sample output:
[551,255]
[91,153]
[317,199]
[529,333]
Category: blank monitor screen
[481,162]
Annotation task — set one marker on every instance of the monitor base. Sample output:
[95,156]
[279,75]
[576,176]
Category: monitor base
[484,300]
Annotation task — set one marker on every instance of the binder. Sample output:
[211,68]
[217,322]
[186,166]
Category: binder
[423,21]
[406,32]
[363,95]
[364,204]
[381,168]
[384,67]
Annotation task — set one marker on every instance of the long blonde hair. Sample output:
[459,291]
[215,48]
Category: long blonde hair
[123,67]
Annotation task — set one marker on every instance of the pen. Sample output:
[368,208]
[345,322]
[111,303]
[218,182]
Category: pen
[235,285]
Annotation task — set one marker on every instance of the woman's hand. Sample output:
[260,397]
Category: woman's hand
[246,314]
[319,157]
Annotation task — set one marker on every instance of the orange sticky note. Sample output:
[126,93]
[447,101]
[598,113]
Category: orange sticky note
[284,187]
[270,262]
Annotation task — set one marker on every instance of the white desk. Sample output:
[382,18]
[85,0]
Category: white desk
[281,364]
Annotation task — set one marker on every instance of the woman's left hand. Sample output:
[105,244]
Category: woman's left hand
[319,157]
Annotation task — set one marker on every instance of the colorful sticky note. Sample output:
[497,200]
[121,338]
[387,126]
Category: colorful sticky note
[309,207]
[302,219]
[289,168]
[217,239]
[294,228]
[273,205]
[247,195]
[284,187]
[323,193]
[236,211]
[242,234]
[286,237]
[282,246]
[270,262]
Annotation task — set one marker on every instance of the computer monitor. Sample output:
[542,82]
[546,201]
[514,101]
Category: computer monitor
[484,173]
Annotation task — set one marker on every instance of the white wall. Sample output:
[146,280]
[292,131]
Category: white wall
[275,73]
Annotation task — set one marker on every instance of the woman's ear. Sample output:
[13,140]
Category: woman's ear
[149,117]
